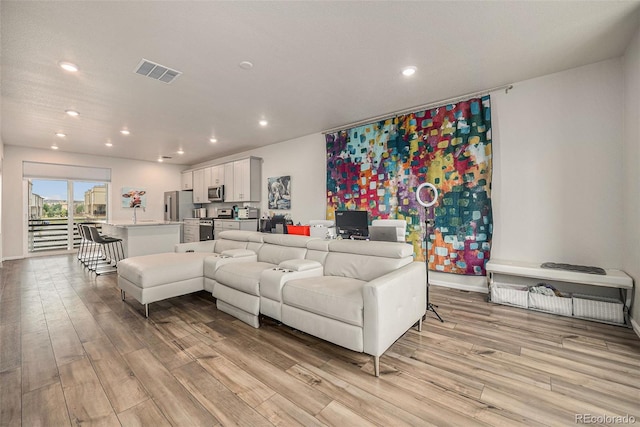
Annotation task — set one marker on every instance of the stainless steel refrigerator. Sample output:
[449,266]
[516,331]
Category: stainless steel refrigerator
[178,205]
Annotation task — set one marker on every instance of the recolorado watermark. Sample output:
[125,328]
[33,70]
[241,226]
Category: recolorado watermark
[605,419]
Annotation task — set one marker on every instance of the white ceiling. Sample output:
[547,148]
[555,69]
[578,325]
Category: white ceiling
[317,65]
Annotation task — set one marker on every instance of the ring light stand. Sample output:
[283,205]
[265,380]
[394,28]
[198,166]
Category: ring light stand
[427,223]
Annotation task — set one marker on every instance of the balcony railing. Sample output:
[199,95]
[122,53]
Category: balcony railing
[49,234]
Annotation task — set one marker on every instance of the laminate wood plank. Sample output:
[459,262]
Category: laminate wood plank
[10,309]
[45,407]
[10,397]
[298,392]
[118,333]
[466,405]
[92,301]
[143,414]
[515,371]
[32,318]
[424,408]
[563,365]
[65,342]
[87,328]
[507,385]
[118,380]
[571,376]
[38,362]
[499,332]
[628,359]
[175,402]
[86,401]
[622,404]
[228,408]
[373,408]
[282,412]
[625,378]
[162,345]
[462,384]
[533,410]
[10,354]
[241,383]
[623,349]
[507,347]
[336,414]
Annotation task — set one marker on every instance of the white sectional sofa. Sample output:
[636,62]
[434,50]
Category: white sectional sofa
[357,294]
[151,278]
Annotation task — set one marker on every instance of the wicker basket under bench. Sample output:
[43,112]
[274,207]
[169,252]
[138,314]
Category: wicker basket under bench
[602,298]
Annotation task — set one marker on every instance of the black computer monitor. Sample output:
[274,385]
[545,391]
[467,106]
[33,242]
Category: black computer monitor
[352,223]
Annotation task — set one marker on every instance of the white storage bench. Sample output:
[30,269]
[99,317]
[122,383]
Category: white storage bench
[602,298]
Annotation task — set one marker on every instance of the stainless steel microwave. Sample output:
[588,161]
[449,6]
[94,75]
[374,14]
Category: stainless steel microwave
[216,194]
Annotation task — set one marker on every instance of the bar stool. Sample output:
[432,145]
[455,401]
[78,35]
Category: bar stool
[105,254]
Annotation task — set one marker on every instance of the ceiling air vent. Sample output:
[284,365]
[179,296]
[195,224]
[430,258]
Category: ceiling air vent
[156,71]
[166,157]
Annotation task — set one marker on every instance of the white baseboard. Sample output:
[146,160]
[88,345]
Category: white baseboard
[635,325]
[457,281]
[11,258]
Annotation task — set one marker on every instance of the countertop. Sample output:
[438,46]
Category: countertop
[141,223]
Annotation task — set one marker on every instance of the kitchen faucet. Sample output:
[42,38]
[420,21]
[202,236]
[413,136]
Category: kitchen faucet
[135,219]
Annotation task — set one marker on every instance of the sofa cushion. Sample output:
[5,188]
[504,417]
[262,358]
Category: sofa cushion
[275,254]
[378,249]
[338,298]
[226,245]
[147,271]
[243,276]
[361,267]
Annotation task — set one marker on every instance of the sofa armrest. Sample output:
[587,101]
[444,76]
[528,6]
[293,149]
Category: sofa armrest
[204,246]
[224,260]
[299,265]
[274,279]
[237,253]
[392,304]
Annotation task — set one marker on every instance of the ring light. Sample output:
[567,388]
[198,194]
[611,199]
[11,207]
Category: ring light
[435,194]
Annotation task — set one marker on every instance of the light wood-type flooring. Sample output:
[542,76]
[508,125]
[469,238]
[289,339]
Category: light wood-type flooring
[72,353]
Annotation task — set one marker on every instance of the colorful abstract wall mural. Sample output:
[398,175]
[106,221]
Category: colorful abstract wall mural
[378,167]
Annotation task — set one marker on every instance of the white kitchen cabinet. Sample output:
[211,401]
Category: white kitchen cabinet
[228,182]
[216,176]
[247,176]
[191,230]
[220,225]
[199,187]
[187,180]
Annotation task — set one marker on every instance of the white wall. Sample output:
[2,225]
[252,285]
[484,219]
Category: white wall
[304,159]
[557,175]
[557,180]
[631,182]
[156,178]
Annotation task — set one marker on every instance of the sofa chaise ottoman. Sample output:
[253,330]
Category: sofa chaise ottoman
[151,278]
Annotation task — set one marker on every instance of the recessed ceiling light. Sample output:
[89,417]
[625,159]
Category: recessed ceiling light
[180,151]
[213,140]
[54,147]
[263,122]
[68,66]
[72,113]
[125,132]
[160,159]
[60,134]
[409,71]
[245,65]
[108,144]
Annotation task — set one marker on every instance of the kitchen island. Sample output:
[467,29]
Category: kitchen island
[145,237]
